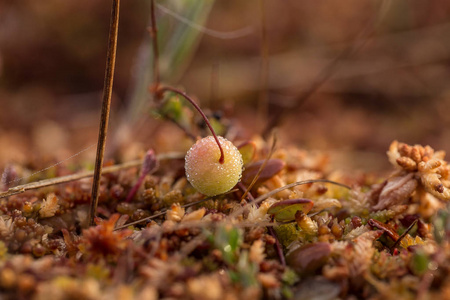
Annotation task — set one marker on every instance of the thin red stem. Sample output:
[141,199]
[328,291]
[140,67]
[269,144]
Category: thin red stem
[149,165]
[135,187]
[158,91]
[181,93]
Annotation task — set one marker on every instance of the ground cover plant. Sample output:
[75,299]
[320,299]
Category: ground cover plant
[230,200]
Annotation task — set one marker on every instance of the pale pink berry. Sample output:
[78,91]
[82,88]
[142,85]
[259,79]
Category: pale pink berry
[206,173]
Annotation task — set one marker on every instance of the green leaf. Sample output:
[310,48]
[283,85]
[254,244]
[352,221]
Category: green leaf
[218,127]
[285,210]
[228,240]
[173,108]
[441,225]
[420,262]
[248,151]
[287,233]
[246,271]
[234,239]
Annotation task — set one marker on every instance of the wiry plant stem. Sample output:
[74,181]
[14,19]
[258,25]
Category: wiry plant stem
[159,91]
[73,177]
[272,149]
[288,186]
[264,71]
[278,247]
[181,93]
[154,35]
[106,104]
[165,210]
[397,242]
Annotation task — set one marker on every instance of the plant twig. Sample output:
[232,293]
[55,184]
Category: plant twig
[278,247]
[288,186]
[181,93]
[400,238]
[159,91]
[165,210]
[64,179]
[154,35]
[106,104]
[224,35]
[264,67]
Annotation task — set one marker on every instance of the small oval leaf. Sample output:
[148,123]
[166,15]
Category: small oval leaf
[285,210]
[309,258]
[248,151]
[273,167]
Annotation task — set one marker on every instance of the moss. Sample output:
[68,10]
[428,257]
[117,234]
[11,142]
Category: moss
[287,233]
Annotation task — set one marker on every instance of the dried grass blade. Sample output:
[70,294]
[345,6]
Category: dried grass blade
[288,186]
[163,212]
[64,179]
[262,166]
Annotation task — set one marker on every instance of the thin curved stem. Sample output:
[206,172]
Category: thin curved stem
[164,211]
[181,93]
[288,186]
[159,91]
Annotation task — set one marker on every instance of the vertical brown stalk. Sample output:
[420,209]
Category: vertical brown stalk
[264,73]
[154,35]
[106,104]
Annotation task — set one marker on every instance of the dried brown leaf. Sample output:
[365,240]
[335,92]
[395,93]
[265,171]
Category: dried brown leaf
[273,167]
[396,191]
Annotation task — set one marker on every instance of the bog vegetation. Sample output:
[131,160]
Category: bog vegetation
[210,201]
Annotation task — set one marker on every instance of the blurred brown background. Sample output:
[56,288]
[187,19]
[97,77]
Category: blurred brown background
[379,71]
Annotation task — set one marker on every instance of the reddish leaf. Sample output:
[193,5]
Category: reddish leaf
[273,167]
[384,227]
